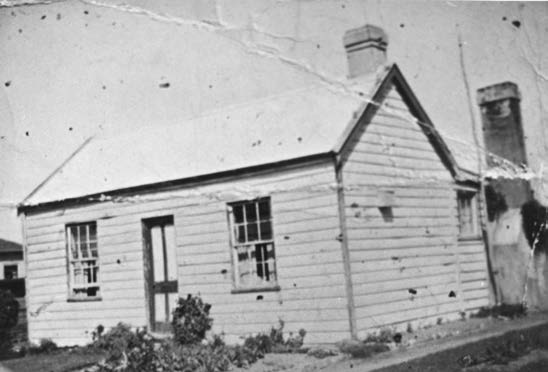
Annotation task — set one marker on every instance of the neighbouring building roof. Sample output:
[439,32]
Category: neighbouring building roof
[7,246]
[297,124]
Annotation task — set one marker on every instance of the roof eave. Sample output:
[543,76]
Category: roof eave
[182,182]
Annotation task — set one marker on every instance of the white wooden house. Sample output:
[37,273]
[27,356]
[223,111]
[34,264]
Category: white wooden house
[336,208]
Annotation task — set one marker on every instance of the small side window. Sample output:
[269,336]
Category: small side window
[468,214]
[10,272]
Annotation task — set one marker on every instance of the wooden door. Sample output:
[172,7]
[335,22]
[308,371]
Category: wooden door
[160,272]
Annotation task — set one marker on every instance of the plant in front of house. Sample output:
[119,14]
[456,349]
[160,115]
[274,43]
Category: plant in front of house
[45,346]
[134,350]
[9,312]
[191,320]
[274,342]
[373,344]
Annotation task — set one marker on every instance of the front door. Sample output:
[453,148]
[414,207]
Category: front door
[160,271]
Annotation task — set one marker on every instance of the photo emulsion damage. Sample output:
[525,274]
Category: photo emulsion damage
[276,185]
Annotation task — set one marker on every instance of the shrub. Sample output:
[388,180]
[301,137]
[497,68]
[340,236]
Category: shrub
[9,309]
[191,320]
[274,342]
[358,349]
[321,353]
[385,336]
[130,351]
[9,312]
[504,310]
[120,340]
[45,346]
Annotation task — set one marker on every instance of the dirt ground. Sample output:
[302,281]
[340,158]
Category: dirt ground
[447,342]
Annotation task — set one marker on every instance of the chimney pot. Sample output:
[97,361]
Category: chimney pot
[498,92]
[365,49]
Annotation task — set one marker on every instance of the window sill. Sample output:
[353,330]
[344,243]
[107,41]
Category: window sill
[274,288]
[84,299]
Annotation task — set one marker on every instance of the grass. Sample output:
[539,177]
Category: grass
[496,350]
[62,360]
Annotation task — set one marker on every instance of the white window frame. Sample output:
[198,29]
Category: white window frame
[239,246]
[82,255]
[472,228]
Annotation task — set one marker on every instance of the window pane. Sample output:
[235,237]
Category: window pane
[264,209]
[93,232]
[93,248]
[238,212]
[240,234]
[270,251]
[10,272]
[250,212]
[169,232]
[72,241]
[266,231]
[157,253]
[78,274]
[242,254]
[467,213]
[252,232]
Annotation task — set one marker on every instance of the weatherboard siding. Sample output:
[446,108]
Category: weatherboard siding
[309,259]
[403,270]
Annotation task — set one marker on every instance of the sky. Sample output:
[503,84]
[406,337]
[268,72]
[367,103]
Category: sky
[74,69]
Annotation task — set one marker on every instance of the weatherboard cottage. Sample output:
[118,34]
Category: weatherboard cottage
[336,208]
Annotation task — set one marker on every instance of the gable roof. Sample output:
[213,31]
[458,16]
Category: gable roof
[316,120]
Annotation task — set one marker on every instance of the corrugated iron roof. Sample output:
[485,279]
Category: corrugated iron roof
[300,123]
[295,124]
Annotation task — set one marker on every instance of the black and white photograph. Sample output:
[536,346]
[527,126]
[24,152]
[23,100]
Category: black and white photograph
[273,185]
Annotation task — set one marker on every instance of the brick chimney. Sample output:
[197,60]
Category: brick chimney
[503,136]
[365,49]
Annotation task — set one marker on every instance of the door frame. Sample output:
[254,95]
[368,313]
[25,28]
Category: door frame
[147,224]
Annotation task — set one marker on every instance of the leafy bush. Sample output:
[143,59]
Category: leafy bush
[9,309]
[385,336]
[120,340]
[167,355]
[504,310]
[359,349]
[321,353]
[45,346]
[274,342]
[130,351]
[373,344]
[9,312]
[191,320]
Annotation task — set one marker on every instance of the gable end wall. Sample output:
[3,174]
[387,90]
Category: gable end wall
[392,163]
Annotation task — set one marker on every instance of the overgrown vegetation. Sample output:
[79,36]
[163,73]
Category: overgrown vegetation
[9,312]
[134,350]
[501,353]
[45,346]
[373,344]
[510,311]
